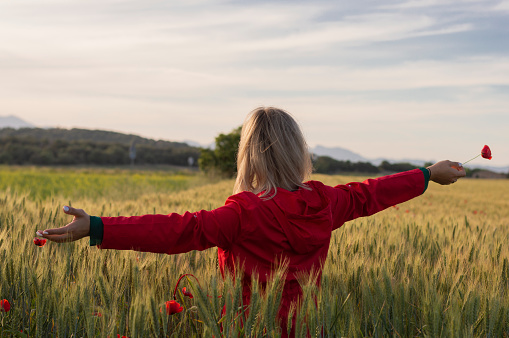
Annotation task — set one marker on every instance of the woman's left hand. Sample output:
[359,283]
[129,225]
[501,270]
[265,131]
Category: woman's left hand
[77,229]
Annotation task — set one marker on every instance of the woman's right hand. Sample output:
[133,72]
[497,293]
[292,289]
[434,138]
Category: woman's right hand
[77,229]
[446,172]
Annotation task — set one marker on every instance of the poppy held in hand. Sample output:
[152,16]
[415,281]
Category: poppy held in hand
[39,241]
[5,305]
[187,293]
[173,307]
[486,152]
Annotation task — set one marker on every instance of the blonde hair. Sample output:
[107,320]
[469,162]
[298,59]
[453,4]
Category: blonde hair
[272,153]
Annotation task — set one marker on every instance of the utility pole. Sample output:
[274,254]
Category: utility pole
[132,153]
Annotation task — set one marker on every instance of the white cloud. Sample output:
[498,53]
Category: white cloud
[502,6]
[432,3]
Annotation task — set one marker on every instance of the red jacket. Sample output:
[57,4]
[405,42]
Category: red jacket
[294,224]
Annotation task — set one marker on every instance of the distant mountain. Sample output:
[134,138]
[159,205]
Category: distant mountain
[489,168]
[199,145]
[338,153]
[342,154]
[12,121]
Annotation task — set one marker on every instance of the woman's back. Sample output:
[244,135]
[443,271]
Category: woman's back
[292,229]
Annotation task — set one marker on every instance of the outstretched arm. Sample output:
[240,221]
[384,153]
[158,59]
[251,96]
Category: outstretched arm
[355,199]
[173,233]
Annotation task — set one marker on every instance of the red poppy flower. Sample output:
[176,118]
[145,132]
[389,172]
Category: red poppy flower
[98,314]
[5,305]
[173,307]
[187,293]
[39,241]
[486,152]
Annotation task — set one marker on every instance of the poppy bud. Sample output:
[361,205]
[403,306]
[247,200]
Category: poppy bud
[5,305]
[187,293]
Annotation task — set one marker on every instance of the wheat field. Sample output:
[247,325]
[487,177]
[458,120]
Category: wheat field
[436,266]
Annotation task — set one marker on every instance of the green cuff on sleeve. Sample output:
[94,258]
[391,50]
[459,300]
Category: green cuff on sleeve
[96,230]
[426,178]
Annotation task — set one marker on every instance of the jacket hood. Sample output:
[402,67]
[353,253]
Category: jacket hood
[305,216]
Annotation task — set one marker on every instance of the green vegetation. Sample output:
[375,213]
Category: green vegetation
[35,146]
[435,266]
[77,184]
[328,165]
[222,160]
[76,134]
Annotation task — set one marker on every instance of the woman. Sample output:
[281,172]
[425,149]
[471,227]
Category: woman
[274,213]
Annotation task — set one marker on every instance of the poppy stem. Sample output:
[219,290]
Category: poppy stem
[471,159]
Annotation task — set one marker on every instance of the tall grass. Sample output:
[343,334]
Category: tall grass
[435,266]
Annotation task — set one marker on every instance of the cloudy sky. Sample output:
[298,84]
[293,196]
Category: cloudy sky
[402,79]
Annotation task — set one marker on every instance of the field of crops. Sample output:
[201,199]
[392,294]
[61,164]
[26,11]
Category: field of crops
[434,266]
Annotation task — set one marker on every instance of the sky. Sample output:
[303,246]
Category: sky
[422,79]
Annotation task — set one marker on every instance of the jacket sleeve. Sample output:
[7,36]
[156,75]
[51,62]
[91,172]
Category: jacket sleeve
[355,199]
[173,233]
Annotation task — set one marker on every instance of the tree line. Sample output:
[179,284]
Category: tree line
[77,134]
[328,165]
[36,146]
[56,146]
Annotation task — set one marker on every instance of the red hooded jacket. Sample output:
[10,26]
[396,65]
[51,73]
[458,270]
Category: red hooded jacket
[295,225]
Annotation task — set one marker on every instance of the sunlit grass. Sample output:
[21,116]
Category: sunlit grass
[434,266]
